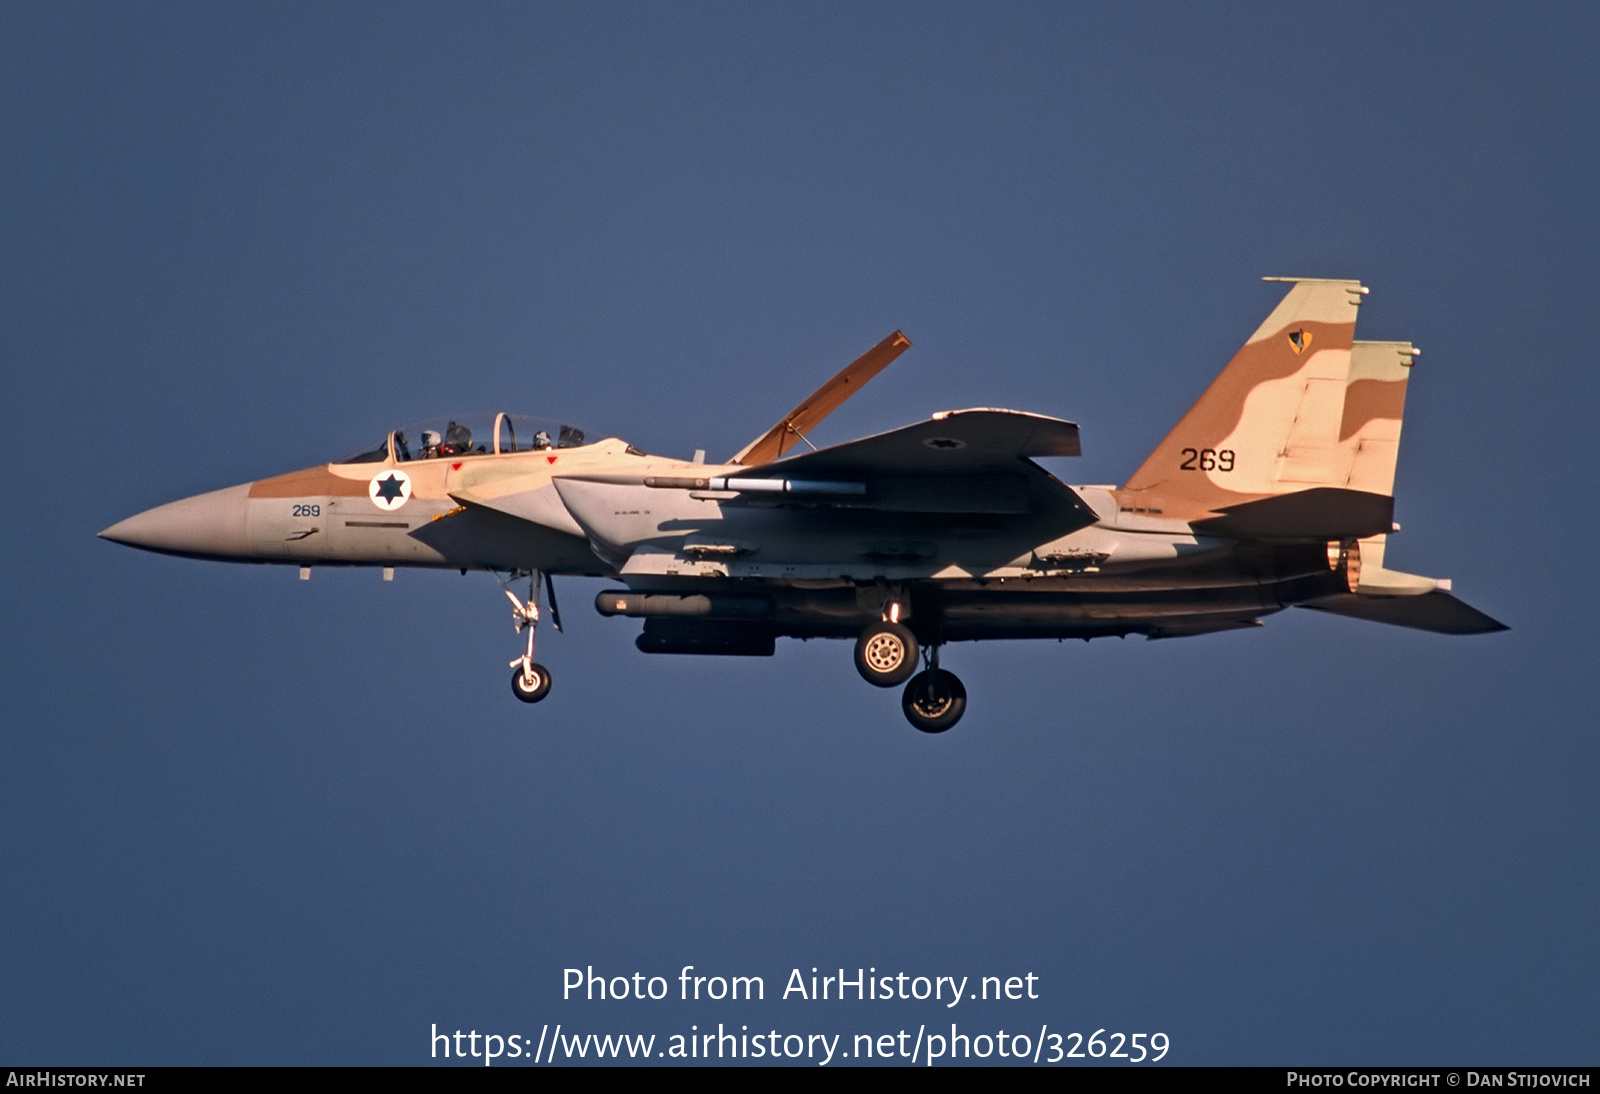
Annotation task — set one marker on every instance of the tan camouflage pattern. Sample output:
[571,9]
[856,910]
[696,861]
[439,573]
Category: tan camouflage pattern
[1270,421]
[320,481]
[1374,403]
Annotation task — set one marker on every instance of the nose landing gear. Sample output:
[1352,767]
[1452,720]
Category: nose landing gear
[530,681]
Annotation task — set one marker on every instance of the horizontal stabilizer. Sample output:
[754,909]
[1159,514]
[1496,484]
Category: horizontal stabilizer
[1324,512]
[1375,580]
[1437,611]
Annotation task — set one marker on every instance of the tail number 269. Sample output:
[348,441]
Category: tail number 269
[1207,459]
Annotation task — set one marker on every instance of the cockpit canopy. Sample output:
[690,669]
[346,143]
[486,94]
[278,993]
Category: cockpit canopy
[469,435]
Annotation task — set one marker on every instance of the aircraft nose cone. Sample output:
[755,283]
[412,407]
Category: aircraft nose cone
[204,526]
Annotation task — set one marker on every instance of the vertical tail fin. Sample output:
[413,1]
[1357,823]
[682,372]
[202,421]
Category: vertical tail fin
[1374,403]
[1270,423]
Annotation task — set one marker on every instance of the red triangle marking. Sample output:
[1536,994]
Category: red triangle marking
[550,459]
[455,467]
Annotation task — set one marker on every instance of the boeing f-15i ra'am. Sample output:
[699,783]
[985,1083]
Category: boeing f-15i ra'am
[1274,490]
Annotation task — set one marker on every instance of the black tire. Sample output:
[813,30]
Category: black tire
[886,654]
[541,688]
[934,700]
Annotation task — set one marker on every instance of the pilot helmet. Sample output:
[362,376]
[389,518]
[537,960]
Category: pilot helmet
[430,437]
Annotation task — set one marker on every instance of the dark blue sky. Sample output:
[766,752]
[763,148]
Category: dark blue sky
[247,819]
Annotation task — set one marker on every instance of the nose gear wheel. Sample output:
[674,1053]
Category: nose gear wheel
[530,683]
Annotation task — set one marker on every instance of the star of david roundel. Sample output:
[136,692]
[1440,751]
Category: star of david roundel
[389,489]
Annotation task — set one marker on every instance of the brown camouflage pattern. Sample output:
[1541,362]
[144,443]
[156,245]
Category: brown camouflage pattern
[1374,405]
[314,481]
[1270,422]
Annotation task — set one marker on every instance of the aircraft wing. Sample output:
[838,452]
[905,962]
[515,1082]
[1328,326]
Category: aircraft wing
[952,442]
[821,402]
[958,461]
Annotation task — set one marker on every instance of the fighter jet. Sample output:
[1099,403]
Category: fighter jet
[1274,490]
[467,493]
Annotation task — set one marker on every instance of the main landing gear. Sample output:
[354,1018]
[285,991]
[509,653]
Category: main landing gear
[886,656]
[530,681]
[934,700]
